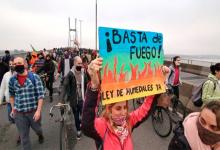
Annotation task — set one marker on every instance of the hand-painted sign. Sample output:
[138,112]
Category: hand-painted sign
[132,63]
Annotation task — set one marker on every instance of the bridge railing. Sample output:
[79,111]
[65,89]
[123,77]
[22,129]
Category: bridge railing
[194,62]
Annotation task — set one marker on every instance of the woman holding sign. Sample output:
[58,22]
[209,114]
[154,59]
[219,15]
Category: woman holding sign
[112,130]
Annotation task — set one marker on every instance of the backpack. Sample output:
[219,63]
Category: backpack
[197,93]
[179,140]
[30,76]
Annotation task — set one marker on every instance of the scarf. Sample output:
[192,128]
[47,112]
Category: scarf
[191,132]
[122,132]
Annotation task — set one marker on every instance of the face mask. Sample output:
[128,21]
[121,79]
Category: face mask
[119,121]
[78,68]
[19,69]
[206,136]
[40,57]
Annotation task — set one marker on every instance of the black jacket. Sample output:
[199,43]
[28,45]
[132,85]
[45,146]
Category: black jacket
[69,88]
[3,69]
[49,68]
[179,141]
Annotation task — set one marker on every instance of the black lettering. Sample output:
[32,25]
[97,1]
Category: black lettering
[148,52]
[116,37]
[158,87]
[133,39]
[131,52]
[128,91]
[153,52]
[139,33]
[120,92]
[144,37]
[143,49]
[126,37]
[138,53]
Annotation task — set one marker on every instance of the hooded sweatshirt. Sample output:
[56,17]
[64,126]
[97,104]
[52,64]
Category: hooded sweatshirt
[211,90]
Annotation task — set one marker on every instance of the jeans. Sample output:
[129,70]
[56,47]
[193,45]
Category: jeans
[49,85]
[77,112]
[23,123]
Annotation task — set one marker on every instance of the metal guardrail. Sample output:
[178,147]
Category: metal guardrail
[194,62]
[183,60]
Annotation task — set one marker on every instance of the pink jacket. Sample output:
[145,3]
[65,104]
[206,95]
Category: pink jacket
[97,127]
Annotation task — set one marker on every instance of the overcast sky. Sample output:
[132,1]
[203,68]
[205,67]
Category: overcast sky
[188,26]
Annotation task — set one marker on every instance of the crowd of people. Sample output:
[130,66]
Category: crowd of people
[23,88]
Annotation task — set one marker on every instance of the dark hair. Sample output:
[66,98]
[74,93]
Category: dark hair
[174,59]
[214,68]
[214,106]
[7,52]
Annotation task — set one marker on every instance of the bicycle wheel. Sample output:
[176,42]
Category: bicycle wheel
[177,110]
[161,121]
[63,136]
[137,102]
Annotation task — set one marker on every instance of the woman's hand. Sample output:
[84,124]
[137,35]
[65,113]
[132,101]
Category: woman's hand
[93,69]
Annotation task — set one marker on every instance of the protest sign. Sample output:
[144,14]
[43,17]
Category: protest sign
[132,63]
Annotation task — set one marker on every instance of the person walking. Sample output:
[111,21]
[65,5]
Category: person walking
[3,69]
[65,65]
[174,79]
[26,97]
[111,131]
[211,88]
[73,87]
[7,57]
[49,69]
[4,90]
[4,93]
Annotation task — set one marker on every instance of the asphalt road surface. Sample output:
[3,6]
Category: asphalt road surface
[144,137]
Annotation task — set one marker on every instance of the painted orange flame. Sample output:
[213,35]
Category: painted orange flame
[112,76]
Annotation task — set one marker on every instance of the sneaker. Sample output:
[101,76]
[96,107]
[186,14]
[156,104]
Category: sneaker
[78,135]
[41,139]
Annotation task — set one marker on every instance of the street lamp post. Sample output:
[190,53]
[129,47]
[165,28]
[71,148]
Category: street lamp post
[96,24]
[80,24]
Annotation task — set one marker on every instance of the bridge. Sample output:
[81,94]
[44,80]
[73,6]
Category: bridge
[144,136]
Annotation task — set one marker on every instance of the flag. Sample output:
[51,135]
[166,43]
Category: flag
[33,48]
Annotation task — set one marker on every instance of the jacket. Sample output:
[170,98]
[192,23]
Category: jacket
[171,75]
[4,90]
[99,128]
[68,92]
[3,69]
[48,68]
[210,89]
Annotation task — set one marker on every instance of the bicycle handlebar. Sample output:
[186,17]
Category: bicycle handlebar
[59,106]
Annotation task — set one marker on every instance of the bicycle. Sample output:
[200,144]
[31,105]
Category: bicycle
[164,116]
[67,134]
